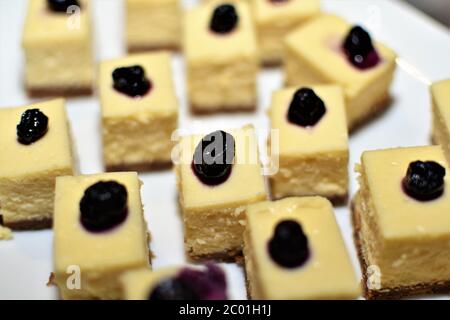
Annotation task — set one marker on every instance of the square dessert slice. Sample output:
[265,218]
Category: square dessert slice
[293,250]
[401,223]
[221,57]
[139,111]
[312,142]
[153,24]
[218,175]
[440,97]
[36,148]
[175,283]
[99,233]
[57,42]
[274,19]
[364,69]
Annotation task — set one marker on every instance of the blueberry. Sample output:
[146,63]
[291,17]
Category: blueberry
[224,19]
[172,289]
[33,126]
[213,158]
[61,5]
[209,284]
[131,81]
[424,180]
[289,245]
[103,206]
[359,49]
[306,108]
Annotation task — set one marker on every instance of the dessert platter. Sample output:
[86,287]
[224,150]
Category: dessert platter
[212,150]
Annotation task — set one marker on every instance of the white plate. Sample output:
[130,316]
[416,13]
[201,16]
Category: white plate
[424,50]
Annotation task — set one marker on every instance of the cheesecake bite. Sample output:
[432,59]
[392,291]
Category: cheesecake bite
[221,57]
[274,19]
[401,224]
[218,175]
[311,146]
[293,251]
[153,24]
[176,283]
[440,97]
[362,67]
[99,233]
[36,148]
[57,41]
[139,112]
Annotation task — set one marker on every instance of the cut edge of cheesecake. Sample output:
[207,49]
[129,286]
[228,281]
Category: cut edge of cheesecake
[377,110]
[442,287]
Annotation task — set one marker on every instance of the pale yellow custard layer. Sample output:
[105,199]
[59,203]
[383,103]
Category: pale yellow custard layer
[313,48]
[312,160]
[28,172]
[406,239]
[317,278]
[214,216]
[101,257]
[58,47]
[440,97]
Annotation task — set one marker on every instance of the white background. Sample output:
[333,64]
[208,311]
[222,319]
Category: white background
[422,45]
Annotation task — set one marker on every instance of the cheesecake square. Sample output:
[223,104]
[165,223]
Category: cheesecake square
[57,42]
[99,233]
[221,57]
[36,148]
[312,151]
[401,226]
[153,24]
[213,192]
[274,19]
[176,283]
[139,112]
[294,250]
[364,71]
[440,101]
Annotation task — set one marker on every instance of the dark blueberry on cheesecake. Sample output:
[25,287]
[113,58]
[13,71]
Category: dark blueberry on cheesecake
[103,206]
[62,5]
[306,108]
[359,49]
[33,126]
[424,180]
[131,81]
[289,245]
[172,289]
[224,19]
[193,284]
[213,158]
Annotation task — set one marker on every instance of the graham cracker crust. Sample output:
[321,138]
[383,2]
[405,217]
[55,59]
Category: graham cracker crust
[140,167]
[56,92]
[144,48]
[336,200]
[199,111]
[388,293]
[377,110]
[225,256]
[274,63]
[32,224]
